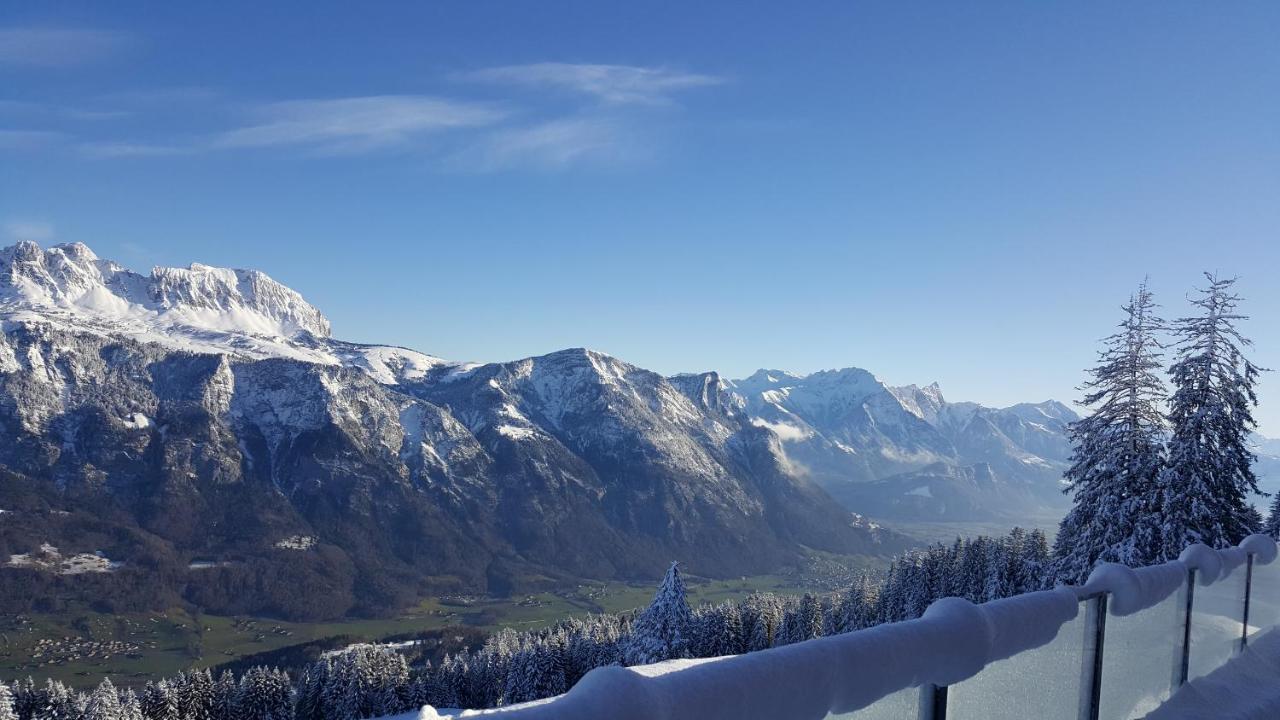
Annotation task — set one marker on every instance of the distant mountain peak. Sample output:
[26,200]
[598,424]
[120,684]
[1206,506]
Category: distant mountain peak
[71,278]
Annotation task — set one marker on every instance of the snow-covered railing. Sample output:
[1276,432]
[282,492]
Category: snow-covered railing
[1142,633]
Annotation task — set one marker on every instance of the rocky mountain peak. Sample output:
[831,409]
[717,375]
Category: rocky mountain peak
[71,283]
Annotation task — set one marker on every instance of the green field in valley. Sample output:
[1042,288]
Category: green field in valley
[79,648]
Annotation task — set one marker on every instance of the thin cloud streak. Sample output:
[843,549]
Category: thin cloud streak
[106,150]
[612,84]
[52,47]
[552,145]
[356,124]
[29,139]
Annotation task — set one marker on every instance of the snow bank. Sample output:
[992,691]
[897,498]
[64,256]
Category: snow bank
[1244,687]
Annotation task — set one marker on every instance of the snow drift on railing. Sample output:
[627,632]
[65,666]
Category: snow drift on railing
[953,641]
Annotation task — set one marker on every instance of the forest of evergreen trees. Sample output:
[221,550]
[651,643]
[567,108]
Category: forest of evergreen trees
[368,681]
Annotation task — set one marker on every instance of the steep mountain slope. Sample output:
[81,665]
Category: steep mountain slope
[906,453]
[201,429]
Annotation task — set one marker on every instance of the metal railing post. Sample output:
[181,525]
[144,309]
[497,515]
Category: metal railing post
[1091,670]
[933,702]
[1248,590]
[1184,665]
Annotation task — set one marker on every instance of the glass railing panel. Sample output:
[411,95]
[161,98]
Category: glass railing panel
[902,704]
[1141,653]
[1039,683]
[1264,597]
[1217,614]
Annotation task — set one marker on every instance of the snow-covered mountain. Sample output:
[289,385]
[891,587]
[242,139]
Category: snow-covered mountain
[199,428]
[195,309]
[907,453]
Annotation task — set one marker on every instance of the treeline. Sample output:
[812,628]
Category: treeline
[368,681]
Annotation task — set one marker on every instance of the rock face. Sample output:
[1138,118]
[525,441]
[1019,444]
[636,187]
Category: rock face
[906,453]
[194,423]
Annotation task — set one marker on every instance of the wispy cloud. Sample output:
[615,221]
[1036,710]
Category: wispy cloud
[614,84]
[126,149]
[58,47]
[606,117]
[35,230]
[356,124]
[552,145]
[28,139]
[21,108]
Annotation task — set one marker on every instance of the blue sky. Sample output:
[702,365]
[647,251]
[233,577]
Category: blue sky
[960,192]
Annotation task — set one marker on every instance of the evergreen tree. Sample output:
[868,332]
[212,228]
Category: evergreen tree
[662,631]
[308,705]
[1035,563]
[104,703]
[1118,452]
[58,703]
[1272,524]
[130,707]
[1209,475]
[7,711]
[195,695]
[158,702]
[536,672]
[265,694]
[27,699]
[224,697]
[808,623]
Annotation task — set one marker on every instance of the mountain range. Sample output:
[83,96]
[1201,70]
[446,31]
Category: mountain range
[201,430]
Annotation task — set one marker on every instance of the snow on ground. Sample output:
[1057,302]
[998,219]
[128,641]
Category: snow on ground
[1246,687]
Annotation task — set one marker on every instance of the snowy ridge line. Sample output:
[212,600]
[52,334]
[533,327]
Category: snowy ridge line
[953,641]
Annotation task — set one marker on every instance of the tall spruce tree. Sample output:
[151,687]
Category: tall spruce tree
[663,630]
[104,703]
[1209,475]
[1118,451]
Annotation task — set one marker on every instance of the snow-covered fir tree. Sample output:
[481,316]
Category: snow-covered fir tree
[57,702]
[194,691]
[1271,525]
[1118,451]
[27,698]
[308,698]
[1209,475]
[104,703]
[225,689]
[7,711]
[130,706]
[265,694]
[662,630]
[159,701]
[535,672]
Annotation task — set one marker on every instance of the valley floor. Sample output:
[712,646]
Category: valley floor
[944,532]
[79,648]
